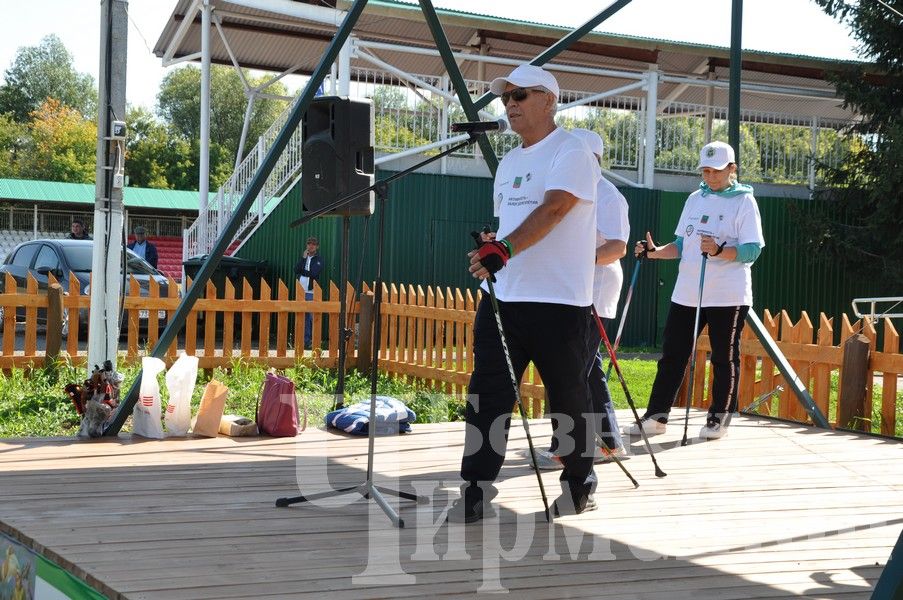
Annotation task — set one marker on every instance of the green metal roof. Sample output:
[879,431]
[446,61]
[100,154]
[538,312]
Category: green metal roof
[84,193]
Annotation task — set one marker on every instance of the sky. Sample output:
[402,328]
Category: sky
[786,26]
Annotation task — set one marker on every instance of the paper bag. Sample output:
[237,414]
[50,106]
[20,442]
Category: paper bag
[213,404]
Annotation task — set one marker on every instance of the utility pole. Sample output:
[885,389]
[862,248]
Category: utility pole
[107,262]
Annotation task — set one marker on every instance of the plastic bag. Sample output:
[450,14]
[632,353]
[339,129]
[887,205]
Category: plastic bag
[180,380]
[146,415]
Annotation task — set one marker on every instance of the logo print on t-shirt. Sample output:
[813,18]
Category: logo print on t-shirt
[689,230]
[704,219]
[517,181]
[529,176]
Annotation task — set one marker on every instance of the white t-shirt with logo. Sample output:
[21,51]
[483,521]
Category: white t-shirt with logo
[734,220]
[558,268]
[611,224]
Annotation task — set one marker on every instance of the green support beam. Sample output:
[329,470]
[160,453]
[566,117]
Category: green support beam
[563,44]
[733,92]
[244,205]
[796,384]
[454,73]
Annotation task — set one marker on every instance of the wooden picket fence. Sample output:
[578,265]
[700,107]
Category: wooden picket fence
[816,359]
[426,336]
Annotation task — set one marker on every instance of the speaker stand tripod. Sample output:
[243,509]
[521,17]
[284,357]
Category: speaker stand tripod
[368,489]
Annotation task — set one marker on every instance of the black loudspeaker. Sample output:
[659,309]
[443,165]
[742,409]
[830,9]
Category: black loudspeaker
[337,154]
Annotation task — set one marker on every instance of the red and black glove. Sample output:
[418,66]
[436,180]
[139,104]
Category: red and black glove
[493,256]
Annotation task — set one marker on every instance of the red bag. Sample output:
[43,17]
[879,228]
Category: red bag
[277,410]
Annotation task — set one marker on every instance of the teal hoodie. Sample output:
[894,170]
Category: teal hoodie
[735,189]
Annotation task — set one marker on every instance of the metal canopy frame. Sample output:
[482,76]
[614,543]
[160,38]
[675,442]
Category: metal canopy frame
[294,119]
[471,109]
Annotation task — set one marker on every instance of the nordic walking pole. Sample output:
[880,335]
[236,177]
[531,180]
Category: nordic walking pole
[705,259]
[614,361]
[633,280]
[520,405]
[602,443]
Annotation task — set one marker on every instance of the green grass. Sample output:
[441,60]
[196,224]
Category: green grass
[33,404]
[639,375]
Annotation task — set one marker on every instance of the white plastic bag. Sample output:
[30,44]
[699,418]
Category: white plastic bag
[146,415]
[180,381]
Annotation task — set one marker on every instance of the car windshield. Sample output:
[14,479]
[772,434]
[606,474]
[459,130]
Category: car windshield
[79,259]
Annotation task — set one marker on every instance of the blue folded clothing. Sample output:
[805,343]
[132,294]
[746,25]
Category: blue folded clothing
[392,417]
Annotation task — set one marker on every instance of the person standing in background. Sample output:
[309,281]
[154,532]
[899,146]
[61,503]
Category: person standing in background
[143,248]
[78,231]
[308,270]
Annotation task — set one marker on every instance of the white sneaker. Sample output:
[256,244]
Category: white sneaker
[545,460]
[607,456]
[650,426]
[713,430]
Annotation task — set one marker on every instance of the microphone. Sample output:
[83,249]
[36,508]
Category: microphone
[480,126]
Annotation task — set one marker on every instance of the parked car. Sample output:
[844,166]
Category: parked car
[40,258]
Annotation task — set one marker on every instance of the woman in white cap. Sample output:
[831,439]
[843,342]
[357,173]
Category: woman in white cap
[720,219]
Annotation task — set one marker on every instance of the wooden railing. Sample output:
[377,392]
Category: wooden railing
[426,335]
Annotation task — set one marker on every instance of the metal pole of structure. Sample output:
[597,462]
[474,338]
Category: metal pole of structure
[780,361]
[651,133]
[106,262]
[471,107]
[247,199]
[204,159]
[560,46]
[345,68]
[733,101]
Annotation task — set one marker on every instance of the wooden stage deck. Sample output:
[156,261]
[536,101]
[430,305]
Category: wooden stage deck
[771,511]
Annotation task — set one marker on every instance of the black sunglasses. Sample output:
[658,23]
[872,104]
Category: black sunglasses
[518,94]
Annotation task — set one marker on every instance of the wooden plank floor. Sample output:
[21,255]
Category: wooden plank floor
[771,511]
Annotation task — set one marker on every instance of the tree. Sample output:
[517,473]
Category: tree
[858,226]
[155,157]
[13,137]
[61,146]
[179,103]
[45,71]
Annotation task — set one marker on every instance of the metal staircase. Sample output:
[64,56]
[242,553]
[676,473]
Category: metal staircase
[200,237]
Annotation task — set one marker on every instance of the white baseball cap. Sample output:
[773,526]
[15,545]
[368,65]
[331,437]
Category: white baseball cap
[591,139]
[716,155]
[525,76]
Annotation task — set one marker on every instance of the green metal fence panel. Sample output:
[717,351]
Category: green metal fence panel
[427,234]
[429,218]
[640,329]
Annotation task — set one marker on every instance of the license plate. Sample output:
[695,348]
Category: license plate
[144,314]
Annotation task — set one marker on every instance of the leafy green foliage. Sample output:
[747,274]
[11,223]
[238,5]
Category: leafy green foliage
[859,226]
[13,137]
[41,72]
[179,103]
[61,146]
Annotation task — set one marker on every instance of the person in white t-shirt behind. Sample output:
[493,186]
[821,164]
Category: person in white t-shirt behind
[612,234]
[721,219]
[544,195]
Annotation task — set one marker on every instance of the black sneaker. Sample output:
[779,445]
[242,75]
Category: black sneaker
[562,507]
[470,507]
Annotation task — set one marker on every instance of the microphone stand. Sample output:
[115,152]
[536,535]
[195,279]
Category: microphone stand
[368,489]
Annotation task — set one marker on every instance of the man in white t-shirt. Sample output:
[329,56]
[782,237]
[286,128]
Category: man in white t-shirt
[544,196]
